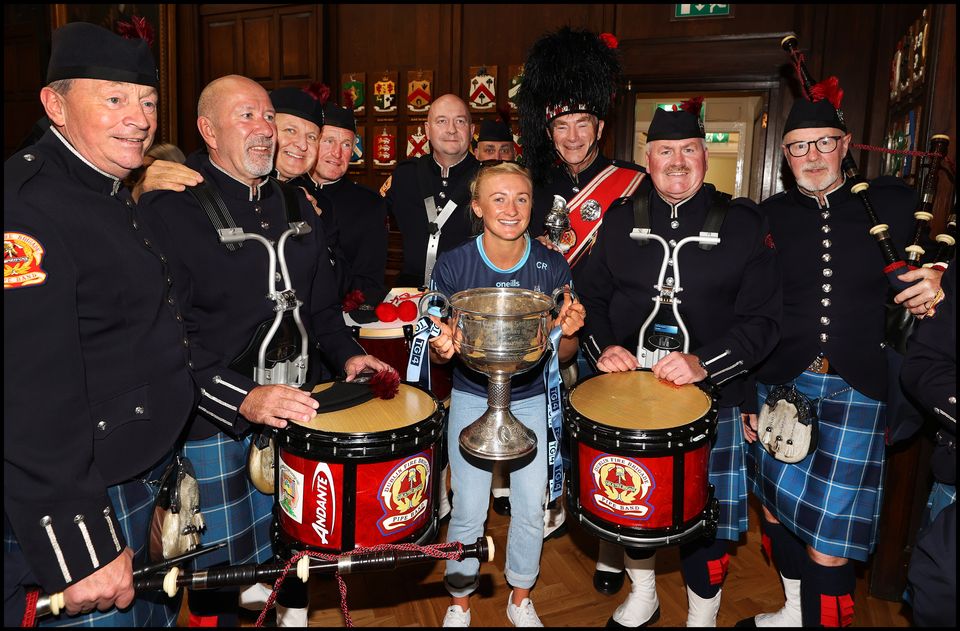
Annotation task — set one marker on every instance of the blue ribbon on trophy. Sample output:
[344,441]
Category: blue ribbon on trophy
[551,381]
[418,366]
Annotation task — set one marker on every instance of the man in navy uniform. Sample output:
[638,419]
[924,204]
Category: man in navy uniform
[567,91]
[429,195]
[223,290]
[930,374]
[359,211]
[731,305]
[299,121]
[823,512]
[97,384]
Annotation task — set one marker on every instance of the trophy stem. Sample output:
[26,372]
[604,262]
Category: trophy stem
[497,434]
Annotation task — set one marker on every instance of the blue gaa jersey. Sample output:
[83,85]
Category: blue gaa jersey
[467,267]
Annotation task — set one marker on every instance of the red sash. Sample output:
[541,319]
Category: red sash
[610,184]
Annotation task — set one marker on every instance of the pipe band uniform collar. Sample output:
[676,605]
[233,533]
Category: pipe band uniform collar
[86,51]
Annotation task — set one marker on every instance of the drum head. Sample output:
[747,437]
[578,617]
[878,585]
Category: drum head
[408,407]
[637,400]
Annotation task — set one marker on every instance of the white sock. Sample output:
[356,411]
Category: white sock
[642,601]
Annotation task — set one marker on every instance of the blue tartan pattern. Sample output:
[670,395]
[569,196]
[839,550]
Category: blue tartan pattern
[728,474]
[941,496]
[133,503]
[832,498]
[233,509]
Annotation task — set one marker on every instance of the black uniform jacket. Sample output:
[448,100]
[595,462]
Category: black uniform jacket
[96,386]
[731,298]
[834,288]
[342,270]
[224,293]
[405,203]
[362,217]
[930,374]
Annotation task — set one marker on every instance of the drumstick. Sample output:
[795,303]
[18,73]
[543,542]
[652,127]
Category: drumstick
[349,563]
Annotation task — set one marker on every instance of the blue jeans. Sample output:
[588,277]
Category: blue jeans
[470,483]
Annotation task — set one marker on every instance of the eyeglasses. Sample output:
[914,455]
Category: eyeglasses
[827,144]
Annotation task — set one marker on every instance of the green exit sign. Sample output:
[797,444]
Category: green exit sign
[718,137]
[701,10]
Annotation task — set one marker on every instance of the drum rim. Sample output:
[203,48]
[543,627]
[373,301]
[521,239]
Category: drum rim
[705,424]
[298,439]
[679,533]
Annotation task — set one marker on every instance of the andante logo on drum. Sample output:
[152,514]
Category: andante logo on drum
[326,514]
[404,494]
[622,486]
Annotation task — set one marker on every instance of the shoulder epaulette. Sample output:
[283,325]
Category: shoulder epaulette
[625,164]
[20,168]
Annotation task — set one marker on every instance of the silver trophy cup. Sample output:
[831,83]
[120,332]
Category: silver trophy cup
[499,332]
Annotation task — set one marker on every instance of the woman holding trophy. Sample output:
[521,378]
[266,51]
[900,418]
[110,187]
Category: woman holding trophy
[504,259]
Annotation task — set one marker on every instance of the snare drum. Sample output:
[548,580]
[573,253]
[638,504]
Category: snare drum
[390,342]
[640,450]
[361,476]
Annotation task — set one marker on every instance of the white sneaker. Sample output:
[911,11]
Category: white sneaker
[523,615]
[456,617]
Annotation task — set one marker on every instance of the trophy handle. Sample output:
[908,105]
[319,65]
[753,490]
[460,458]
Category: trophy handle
[425,301]
[557,297]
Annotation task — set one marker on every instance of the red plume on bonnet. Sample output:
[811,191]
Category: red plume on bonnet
[319,91]
[137,28]
[692,105]
[828,89]
[610,40]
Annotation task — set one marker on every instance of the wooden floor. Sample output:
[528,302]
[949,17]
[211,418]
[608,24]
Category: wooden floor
[564,596]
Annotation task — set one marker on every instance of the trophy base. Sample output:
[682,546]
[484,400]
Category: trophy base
[498,435]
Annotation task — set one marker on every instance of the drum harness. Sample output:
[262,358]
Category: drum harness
[669,331]
[286,370]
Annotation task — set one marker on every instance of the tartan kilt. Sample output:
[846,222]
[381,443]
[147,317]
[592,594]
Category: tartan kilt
[233,509]
[728,474]
[832,498]
[133,504]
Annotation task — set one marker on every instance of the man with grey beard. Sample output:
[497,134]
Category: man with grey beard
[831,351]
[222,303]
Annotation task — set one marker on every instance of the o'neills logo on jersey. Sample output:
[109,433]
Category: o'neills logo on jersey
[404,493]
[325,492]
[621,486]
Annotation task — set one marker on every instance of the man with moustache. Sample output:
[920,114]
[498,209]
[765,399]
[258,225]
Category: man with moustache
[731,307]
[831,350]
[428,196]
[223,306]
[97,385]
[359,211]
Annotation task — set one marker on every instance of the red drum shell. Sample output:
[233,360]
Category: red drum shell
[640,451]
[361,476]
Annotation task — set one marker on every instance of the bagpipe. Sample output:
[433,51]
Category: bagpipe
[169,578]
[899,322]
